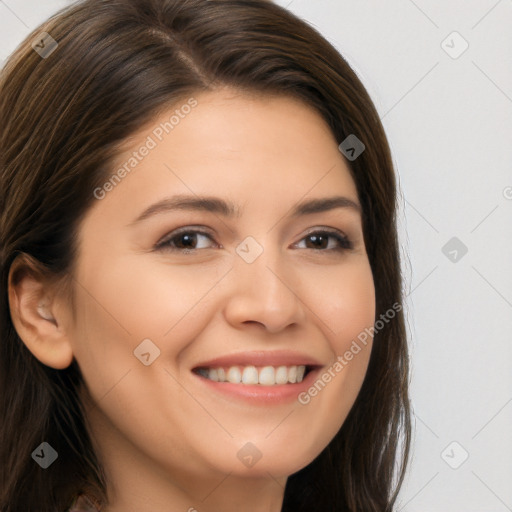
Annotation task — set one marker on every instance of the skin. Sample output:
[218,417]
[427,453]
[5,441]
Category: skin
[166,442]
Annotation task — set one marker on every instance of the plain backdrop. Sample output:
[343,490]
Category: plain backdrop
[440,74]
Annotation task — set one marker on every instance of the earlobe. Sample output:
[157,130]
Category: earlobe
[33,308]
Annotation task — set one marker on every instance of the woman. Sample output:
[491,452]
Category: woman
[201,289]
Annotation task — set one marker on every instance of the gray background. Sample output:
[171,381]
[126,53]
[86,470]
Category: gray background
[448,116]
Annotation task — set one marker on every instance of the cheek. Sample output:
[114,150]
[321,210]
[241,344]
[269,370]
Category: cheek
[343,299]
[350,317]
[121,302]
[132,299]
[342,302]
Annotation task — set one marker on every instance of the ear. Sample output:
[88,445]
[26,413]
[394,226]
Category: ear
[37,313]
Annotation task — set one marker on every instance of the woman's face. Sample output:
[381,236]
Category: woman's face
[272,284]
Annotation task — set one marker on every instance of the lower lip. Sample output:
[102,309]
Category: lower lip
[256,393]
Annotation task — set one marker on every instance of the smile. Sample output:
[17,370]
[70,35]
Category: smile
[252,375]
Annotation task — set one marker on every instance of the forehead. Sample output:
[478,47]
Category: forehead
[249,147]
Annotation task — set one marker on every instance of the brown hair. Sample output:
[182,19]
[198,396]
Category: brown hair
[117,65]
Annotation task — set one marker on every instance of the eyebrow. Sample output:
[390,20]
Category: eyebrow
[227,209]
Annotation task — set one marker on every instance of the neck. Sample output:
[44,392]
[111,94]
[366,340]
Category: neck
[228,494]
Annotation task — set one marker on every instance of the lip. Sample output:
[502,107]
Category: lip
[261,395]
[258,394]
[261,358]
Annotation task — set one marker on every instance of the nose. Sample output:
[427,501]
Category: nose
[266,293]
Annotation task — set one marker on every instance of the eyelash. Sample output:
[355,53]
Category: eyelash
[165,244]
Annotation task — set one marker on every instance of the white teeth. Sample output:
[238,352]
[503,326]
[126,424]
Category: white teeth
[267,376]
[282,375]
[250,375]
[221,374]
[234,376]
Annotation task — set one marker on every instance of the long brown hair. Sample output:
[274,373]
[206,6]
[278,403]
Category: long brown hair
[115,66]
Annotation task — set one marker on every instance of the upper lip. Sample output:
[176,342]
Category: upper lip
[260,358]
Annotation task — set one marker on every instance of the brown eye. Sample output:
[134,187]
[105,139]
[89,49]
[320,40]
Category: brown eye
[184,240]
[319,240]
